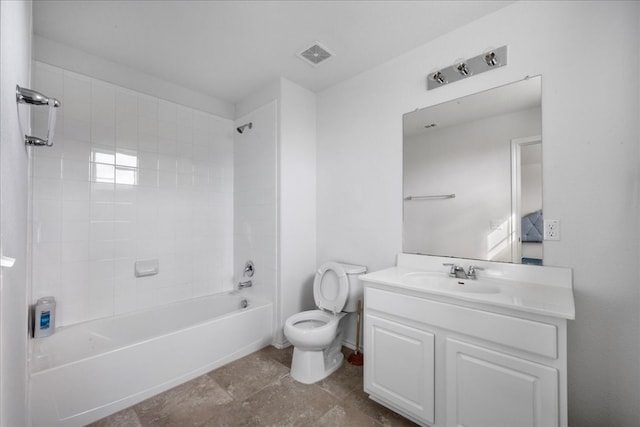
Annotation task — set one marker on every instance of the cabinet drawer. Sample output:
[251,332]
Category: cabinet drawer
[527,335]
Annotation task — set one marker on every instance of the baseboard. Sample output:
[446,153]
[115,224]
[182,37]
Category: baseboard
[281,345]
[286,343]
[349,344]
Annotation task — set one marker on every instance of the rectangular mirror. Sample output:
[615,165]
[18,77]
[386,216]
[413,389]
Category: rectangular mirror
[472,176]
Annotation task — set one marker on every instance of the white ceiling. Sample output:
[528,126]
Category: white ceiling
[230,49]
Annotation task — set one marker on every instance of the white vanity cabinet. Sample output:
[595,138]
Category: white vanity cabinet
[491,388]
[400,367]
[446,361]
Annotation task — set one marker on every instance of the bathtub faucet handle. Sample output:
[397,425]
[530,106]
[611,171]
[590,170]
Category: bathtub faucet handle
[245,284]
[249,269]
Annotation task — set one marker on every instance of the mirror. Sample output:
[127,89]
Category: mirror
[472,176]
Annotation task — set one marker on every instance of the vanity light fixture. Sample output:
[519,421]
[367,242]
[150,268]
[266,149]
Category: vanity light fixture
[491,59]
[438,77]
[461,69]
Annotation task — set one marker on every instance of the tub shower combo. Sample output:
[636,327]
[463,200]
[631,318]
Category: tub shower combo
[90,369]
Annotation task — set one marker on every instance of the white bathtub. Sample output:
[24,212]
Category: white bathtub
[87,371]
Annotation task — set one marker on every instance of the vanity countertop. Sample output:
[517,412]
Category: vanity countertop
[540,290]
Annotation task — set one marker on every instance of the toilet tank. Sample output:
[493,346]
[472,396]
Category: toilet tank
[355,286]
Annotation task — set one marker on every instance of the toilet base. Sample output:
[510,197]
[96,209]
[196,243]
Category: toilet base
[310,366]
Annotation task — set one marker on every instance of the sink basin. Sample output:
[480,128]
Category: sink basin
[471,287]
[424,278]
[439,280]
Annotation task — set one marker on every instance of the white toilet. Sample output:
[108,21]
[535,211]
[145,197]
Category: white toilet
[317,334]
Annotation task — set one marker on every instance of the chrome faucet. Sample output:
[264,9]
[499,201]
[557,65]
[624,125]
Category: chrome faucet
[459,273]
[245,284]
[471,274]
[456,271]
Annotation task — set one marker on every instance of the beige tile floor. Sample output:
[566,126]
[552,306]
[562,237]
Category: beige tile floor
[257,390]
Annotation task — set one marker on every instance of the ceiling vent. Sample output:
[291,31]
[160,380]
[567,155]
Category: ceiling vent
[315,54]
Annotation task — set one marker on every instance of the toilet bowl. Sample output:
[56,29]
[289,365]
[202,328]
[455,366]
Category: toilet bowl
[317,334]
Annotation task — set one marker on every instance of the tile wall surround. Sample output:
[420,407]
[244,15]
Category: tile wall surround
[130,177]
[255,200]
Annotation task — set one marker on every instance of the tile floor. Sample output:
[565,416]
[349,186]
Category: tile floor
[257,390]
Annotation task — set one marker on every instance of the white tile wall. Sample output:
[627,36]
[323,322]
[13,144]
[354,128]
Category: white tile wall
[130,177]
[255,212]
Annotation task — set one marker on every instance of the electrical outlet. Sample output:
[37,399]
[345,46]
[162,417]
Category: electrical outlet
[551,229]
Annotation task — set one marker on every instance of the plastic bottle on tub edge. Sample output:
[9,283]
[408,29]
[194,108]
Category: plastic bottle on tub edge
[44,317]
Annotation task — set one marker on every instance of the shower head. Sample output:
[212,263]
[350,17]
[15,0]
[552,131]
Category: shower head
[245,126]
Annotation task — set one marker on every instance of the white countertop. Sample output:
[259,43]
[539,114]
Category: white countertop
[553,299]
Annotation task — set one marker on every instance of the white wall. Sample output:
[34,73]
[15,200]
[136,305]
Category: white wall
[297,196]
[15,55]
[590,161]
[130,177]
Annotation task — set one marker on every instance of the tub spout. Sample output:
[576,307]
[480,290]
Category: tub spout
[246,284]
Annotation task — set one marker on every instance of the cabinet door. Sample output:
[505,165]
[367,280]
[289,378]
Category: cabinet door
[492,389]
[399,366]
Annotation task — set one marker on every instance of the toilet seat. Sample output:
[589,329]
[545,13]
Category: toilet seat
[313,329]
[332,300]
[311,320]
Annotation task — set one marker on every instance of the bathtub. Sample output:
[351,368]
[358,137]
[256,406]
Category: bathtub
[90,370]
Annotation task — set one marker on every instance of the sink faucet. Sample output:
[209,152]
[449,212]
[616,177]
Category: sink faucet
[456,271]
[472,272]
[459,273]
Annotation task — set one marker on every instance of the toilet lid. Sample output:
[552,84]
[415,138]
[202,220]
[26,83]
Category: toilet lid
[331,287]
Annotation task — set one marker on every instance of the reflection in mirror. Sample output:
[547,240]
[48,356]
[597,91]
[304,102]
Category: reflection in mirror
[473,176]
